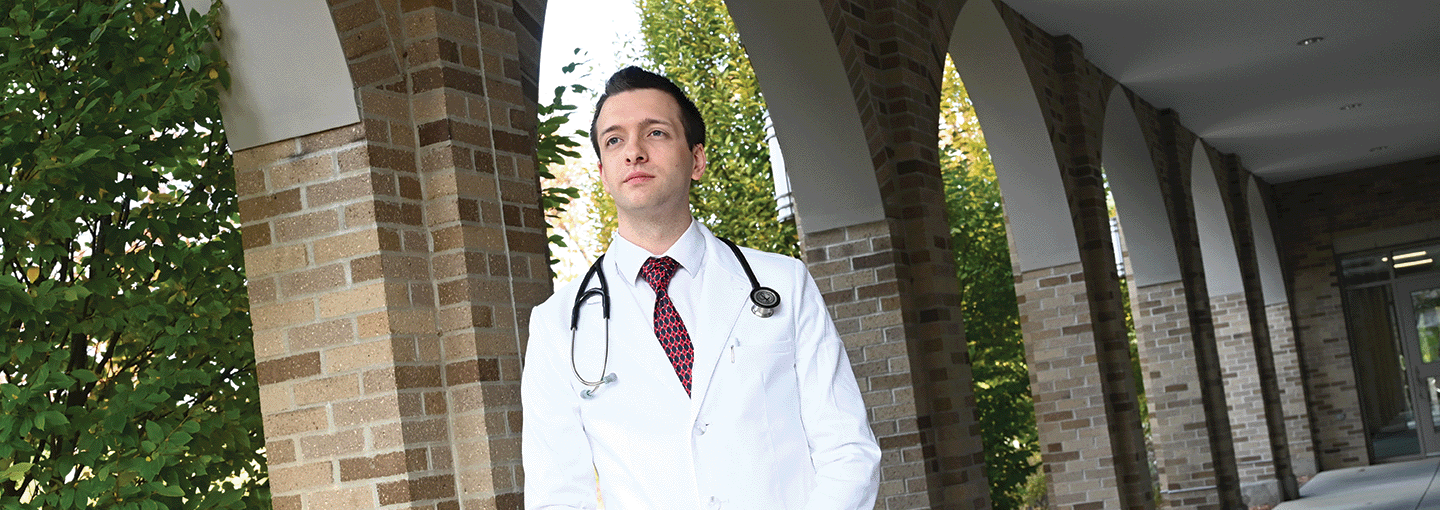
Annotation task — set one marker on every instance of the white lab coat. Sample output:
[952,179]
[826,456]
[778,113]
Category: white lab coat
[775,422]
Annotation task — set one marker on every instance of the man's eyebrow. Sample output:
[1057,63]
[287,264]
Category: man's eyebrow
[643,122]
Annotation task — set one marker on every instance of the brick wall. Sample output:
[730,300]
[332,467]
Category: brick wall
[1315,212]
[1177,420]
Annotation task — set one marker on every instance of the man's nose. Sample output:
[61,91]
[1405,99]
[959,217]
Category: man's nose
[635,154]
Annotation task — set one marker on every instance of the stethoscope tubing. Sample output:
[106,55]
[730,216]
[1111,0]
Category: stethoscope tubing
[764,301]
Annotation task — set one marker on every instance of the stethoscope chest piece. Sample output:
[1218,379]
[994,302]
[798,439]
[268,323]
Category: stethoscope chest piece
[765,301]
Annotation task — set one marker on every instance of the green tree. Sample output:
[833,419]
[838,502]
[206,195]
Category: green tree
[987,298]
[695,43]
[126,367]
[552,149]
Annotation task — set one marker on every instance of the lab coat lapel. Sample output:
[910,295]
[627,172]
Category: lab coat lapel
[721,302]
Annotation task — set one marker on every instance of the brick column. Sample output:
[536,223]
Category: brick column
[1243,393]
[887,48]
[1292,389]
[393,262]
[1177,420]
[1084,313]
[1171,148]
[1067,382]
[854,268]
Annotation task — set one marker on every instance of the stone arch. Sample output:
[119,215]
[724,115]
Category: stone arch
[1040,227]
[1217,246]
[827,157]
[1130,171]
[1271,278]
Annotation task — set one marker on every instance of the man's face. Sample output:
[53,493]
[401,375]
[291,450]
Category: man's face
[645,163]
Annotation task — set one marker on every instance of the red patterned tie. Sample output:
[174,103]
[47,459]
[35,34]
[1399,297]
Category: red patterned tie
[668,326]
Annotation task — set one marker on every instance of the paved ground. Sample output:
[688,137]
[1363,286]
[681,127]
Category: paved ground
[1399,486]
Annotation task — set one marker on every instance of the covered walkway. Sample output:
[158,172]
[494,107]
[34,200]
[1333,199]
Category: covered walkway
[1399,486]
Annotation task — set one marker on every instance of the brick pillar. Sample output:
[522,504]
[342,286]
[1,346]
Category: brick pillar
[1242,376]
[1171,148]
[1177,420]
[393,262]
[854,269]
[1292,389]
[1095,456]
[1069,388]
[888,50]
[1235,182]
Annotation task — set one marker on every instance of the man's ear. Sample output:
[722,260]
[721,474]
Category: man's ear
[697,154]
[603,183]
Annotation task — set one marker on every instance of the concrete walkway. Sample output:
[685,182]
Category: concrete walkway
[1399,486]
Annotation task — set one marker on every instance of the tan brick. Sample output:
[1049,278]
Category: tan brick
[289,423]
[308,170]
[329,446]
[302,478]
[300,311]
[306,226]
[311,281]
[352,301]
[354,498]
[324,334]
[351,413]
[353,357]
[346,245]
[329,389]
[273,260]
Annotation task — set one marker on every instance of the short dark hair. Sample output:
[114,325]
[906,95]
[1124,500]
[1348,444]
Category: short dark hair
[635,78]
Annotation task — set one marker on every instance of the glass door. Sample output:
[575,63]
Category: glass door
[1417,306]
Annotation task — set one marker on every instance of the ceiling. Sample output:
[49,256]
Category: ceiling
[1368,94]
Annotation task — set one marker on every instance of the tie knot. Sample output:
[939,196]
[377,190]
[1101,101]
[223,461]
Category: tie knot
[658,271]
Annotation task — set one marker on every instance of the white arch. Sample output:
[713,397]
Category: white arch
[1217,246]
[288,74]
[1131,174]
[1272,281]
[827,156]
[1035,202]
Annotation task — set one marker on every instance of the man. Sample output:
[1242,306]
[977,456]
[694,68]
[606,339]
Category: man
[702,403]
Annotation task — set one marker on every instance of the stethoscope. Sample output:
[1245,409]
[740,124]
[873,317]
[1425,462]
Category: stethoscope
[763,301]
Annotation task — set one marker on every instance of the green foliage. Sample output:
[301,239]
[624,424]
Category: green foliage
[695,44]
[126,366]
[987,295]
[552,149]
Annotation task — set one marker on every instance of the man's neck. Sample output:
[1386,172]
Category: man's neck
[655,236]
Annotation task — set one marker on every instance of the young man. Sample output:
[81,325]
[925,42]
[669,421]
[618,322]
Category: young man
[669,392]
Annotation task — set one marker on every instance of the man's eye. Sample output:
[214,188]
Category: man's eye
[657,132]
[612,140]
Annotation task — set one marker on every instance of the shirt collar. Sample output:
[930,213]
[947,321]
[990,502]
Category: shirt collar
[689,251]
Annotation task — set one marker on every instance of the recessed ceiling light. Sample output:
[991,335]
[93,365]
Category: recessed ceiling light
[1350,106]
[1380,148]
[1312,40]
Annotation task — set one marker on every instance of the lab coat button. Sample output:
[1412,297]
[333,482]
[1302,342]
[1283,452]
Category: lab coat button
[714,503]
[700,428]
